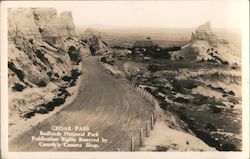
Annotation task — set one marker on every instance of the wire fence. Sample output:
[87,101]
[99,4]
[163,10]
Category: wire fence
[138,139]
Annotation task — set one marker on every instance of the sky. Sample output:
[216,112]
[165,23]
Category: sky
[221,14]
[169,14]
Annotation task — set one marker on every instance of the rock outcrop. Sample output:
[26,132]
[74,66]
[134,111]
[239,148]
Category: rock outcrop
[94,40]
[43,55]
[97,46]
[204,32]
[206,46]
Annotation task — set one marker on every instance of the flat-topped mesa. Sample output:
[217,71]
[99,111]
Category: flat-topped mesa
[40,24]
[204,32]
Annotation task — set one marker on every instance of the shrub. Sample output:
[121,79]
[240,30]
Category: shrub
[42,110]
[160,97]
[49,106]
[220,89]
[41,83]
[49,73]
[215,109]
[225,62]
[233,100]
[211,126]
[161,89]
[148,89]
[18,72]
[153,68]
[107,60]
[66,78]
[200,100]
[181,100]
[58,101]
[72,83]
[74,54]
[229,147]
[92,49]
[28,114]
[161,148]
[231,93]
[183,117]
[104,59]
[56,74]
[75,73]
[63,91]
[40,55]
[190,85]
[31,41]
[18,87]
[164,105]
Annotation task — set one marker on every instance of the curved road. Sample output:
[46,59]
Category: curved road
[105,104]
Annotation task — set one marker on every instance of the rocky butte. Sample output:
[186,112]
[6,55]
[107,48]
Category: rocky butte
[205,45]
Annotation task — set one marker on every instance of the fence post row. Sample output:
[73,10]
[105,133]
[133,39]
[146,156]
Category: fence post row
[150,123]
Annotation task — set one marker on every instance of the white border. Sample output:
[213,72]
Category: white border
[110,155]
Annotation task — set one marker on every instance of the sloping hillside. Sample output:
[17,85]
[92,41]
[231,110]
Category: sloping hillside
[43,59]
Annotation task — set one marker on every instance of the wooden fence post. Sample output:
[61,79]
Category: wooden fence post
[147,129]
[152,122]
[132,148]
[155,115]
[141,137]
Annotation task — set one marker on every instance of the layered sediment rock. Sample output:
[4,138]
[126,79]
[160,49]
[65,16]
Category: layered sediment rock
[21,22]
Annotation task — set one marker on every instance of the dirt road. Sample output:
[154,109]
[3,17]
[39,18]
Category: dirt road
[105,104]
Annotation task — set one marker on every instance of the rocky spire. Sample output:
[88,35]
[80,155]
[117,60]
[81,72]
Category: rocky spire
[204,32]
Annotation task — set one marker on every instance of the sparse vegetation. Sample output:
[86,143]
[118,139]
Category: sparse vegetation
[153,68]
[215,109]
[18,72]
[74,54]
[18,87]
[58,101]
[181,100]
[42,83]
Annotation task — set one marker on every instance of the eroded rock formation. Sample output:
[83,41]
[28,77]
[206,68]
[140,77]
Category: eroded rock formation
[205,45]
[42,54]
